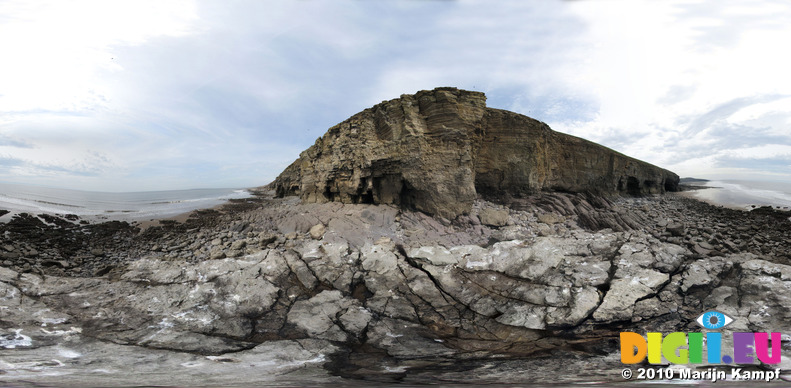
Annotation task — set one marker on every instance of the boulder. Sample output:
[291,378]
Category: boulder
[317,231]
[550,218]
[493,217]
[676,229]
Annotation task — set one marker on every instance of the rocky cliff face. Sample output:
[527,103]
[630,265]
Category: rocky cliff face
[436,151]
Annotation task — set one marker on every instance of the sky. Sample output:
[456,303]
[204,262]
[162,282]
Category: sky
[159,95]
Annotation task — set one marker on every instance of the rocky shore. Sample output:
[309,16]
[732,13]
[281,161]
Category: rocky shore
[323,291]
[428,239]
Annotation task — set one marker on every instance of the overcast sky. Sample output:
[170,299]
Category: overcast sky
[148,95]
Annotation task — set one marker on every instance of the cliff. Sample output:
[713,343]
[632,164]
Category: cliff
[436,151]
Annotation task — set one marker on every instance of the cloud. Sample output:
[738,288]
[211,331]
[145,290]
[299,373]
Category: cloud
[768,151]
[62,51]
[7,161]
[90,163]
[725,111]
[8,141]
[519,53]
[696,81]
[150,95]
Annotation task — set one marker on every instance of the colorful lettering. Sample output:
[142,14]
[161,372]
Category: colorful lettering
[633,348]
[762,348]
[683,348]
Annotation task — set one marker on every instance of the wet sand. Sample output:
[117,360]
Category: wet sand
[741,195]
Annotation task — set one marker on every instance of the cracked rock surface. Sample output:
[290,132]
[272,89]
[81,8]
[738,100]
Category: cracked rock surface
[390,295]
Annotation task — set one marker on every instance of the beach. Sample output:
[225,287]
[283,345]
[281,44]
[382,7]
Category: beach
[108,206]
[744,194]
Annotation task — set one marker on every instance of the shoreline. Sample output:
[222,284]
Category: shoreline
[61,244]
[140,235]
[691,195]
[256,193]
[130,217]
[98,207]
[740,195]
[689,191]
[380,272]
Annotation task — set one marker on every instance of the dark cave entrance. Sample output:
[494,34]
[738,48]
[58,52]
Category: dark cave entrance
[366,197]
[670,185]
[633,186]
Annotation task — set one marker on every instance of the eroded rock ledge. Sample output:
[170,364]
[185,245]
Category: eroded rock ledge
[435,151]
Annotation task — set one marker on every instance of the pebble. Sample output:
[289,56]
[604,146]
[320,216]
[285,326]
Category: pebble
[317,231]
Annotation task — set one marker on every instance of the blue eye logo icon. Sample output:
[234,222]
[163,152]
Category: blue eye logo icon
[714,320]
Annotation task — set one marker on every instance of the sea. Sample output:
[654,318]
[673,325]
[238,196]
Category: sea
[148,205]
[107,206]
[745,194]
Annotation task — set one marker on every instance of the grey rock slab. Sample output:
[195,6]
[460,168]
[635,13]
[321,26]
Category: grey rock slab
[355,320]
[704,272]
[79,361]
[619,302]
[633,280]
[551,218]
[435,255]
[379,259]
[299,268]
[403,339]
[764,289]
[297,223]
[360,224]
[320,315]
[332,263]
[524,315]
[493,217]
[192,342]
[166,309]
[577,305]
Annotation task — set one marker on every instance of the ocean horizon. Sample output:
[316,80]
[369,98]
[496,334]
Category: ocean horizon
[107,206]
[146,205]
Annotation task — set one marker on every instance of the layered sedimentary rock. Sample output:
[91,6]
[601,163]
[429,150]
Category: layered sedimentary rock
[436,151]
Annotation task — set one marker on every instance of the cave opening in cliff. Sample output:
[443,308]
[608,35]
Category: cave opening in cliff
[366,198]
[670,185]
[329,194]
[633,186]
[407,197]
